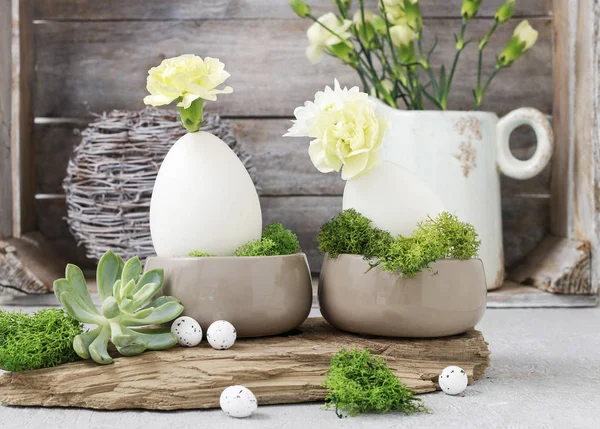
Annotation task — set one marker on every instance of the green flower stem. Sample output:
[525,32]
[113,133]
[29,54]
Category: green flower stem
[460,46]
[478,92]
[424,61]
[342,9]
[192,117]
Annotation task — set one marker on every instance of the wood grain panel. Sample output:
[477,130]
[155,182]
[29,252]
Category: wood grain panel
[102,65]
[282,164]
[526,223]
[230,9]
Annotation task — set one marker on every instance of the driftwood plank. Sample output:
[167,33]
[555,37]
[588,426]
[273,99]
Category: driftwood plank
[283,166]
[282,369]
[231,9]
[102,65]
[557,265]
[5,118]
[515,295]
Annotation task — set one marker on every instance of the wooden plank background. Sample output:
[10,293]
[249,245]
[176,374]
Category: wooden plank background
[93,58]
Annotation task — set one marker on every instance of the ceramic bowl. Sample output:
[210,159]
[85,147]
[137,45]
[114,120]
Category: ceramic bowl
[448,300]
[259,295]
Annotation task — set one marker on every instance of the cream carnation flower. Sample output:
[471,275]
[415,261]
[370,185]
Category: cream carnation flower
[188,77]
[321,39]
[346,131]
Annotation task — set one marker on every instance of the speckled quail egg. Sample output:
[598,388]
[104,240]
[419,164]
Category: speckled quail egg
[221,335]
[453,380]
[238,401]
[187,331]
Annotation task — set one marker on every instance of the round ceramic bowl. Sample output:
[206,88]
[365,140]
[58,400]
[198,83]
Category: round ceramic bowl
[259,295]
[448,300]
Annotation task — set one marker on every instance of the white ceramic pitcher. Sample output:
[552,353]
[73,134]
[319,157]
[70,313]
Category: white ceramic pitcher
[459,155]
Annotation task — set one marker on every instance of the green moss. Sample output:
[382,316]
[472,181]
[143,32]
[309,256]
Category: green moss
[358,382]
[275,241]
[352,233]
[440,238]
[285,240]
[41,340]
[199,254]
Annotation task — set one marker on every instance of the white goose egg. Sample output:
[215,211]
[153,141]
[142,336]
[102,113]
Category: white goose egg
[392,197]
[238,401]
[203,199]
[187,331]
[221,335]
[453,380]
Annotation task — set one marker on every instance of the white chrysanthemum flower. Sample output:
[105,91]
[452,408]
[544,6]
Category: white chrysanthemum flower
[346,132]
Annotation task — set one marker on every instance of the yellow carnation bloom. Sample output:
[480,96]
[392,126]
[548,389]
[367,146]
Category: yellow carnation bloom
[188,77]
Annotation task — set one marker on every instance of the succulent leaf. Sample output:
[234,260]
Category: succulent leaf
[127,290]
[117,290]
[75,308]
[157,339]
[131,271]
[98,348]
[152,276]
[81,343]
[144,295]
[121,336]
[108,272]
[74,274]
[110,307]
[64,285]
[162,300]
[162,314]
[133,349]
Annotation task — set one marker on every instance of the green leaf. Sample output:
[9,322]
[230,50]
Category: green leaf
[143,295]
[163,314]
[121,336]
[157,339]
[107,274]
[82,342]
[131,271]
[162,300]
[127,290]
[117,290]
[153,276]
[133,349]
[98,347]
[74,274]
[110,307]
[76,309]
[142,314]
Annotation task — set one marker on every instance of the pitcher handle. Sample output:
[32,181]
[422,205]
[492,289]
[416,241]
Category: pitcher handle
[516,168]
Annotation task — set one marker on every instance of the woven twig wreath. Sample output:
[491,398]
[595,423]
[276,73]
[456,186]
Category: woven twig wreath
[111,174]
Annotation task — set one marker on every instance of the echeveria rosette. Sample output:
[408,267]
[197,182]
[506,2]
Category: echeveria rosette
[189,80]
[127,308]
[347,133]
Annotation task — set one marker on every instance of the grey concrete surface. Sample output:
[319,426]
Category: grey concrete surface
[545,373]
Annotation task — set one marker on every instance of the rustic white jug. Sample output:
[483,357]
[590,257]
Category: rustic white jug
[459,154]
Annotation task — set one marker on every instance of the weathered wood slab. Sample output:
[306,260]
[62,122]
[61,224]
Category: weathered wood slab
[243,9]
[515,295]
[558,265]
[102,65]
[282,369]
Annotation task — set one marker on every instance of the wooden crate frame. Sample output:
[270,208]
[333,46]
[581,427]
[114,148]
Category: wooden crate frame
[562,264]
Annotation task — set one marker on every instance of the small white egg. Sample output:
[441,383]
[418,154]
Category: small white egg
[221,334]
[238,401]
[187,331]
[453,380]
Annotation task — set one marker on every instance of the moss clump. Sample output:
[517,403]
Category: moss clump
[199,254]
[361,383]
[440,238]
[444,237]
[352,233]
[42,340]
[275,241]
[286,241]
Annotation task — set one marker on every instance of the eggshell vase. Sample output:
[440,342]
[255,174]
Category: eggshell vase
[258,295]
[448,300]
[392,197]
[203,199]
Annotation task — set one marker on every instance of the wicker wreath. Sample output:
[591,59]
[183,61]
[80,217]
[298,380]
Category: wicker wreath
[112,172]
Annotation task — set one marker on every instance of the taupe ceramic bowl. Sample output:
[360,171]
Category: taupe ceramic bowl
[382,303]
[259,295]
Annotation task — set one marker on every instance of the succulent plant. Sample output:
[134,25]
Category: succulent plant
[127,308]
